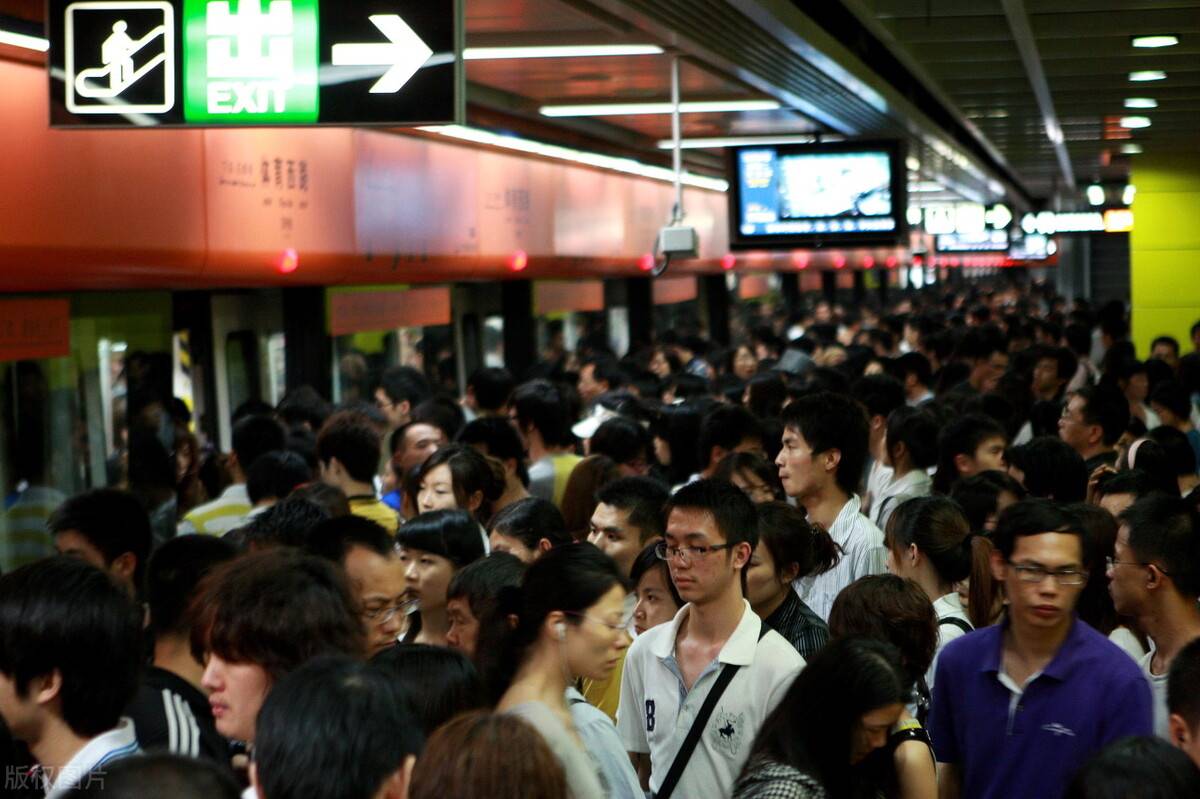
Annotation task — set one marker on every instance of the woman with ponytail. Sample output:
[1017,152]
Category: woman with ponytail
[930,542]
[568,622]
[459,477]
[789,548]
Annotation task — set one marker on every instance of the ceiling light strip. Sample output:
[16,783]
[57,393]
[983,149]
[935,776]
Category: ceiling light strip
[24,40]
[634,109]
[559,51]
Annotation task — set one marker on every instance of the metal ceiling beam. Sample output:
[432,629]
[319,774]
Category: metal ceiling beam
[1018,22]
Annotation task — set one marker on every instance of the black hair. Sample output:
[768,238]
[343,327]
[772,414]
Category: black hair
[879,394]
[569,578]
[112,521]
[541,405]
[1106,406]
[354,440]
[913,363]
[64,615]
[159,774]
[255,436]
[1183,685]
[623,440]
[679,427]
[443,413]
[480,582]
[1179,452]
[724,426]
[1136,482]
[303,406]
[440,682]
[492,386]
[766,394]
[647,560]
[643,498]
[333,538]
[1166,531]
[845,680]
[791,539]
[917,429]
[1079,338]
[285,523]
[274,474]
[1065,360]
[499,438]
[402,383]
[980,343]
[963,436]
[1144,767]
[1174,397]
[1052,468]
[470,472]
[334,728]
[979,495]
[452,534]
[606,369]
[827,421]
[757,465]
[172,576]
[732,511]
[529,521]
[330,498]
[1034,517]
[890,608]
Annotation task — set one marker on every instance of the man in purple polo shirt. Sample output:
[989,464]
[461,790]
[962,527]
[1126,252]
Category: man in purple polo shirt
[1018,707]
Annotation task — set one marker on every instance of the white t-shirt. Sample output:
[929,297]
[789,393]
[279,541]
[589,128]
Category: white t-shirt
[656,711]
[1158,694]
[1129,643]
[878,479]
[86,767]
[916,483]
[946,607]
[862,554]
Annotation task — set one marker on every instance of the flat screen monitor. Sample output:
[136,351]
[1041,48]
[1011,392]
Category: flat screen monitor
[813,195]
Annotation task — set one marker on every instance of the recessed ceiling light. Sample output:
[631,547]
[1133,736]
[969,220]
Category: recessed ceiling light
[1128,195]
[1141,102]
[1135,122]
[1143,75]
[24,40]
[625,109]
[1164,40]
[715,142]
[1131,149]
[1095,194]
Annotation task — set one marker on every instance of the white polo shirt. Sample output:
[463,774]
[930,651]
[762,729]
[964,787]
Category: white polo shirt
[657,711]
[86,768]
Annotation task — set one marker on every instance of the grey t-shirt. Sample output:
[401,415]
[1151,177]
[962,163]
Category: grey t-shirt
[583,779]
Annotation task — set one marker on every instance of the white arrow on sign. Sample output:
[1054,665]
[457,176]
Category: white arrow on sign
[404,53]
[999,216]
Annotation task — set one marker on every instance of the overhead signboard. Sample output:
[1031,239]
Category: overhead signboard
[984,241]
[151,63]
[1047,223]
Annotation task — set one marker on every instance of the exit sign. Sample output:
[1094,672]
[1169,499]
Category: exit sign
[152,63]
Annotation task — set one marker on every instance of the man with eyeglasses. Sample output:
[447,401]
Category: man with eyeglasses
[1154,576]
[671,670]
[1019,706]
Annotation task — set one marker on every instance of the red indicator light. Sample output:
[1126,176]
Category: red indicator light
[868,262]
[646,262]
[518,261]
[891,262]
[728,261]
[800,260]
[289,261]
[839,261]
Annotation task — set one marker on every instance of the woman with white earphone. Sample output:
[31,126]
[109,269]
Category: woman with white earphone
[567,622]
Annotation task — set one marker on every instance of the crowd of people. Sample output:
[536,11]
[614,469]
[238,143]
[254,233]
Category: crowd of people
[950,548]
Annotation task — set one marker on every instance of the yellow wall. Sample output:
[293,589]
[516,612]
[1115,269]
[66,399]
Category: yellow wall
[1165,248]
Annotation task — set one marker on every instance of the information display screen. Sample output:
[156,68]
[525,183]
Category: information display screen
[810,195]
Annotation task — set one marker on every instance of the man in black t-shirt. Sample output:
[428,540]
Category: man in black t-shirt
[169,711]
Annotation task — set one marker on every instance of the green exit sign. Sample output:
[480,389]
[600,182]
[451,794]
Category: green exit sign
[250,62]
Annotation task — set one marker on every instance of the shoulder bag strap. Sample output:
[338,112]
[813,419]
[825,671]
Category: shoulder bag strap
[693,737]
[954,621]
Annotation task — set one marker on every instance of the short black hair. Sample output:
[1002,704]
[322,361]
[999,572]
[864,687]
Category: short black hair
[1065,360]
[499,438]
[480,582]
[303,405]
[1052,468]
[63,614]
[440,682]
[879,394]
[333,728]
[274,474]
[1138,766]
[285,523]
[980,343]
[643,498]
[606,369]
[729,506]
[1034,517]
[1179,452]
[112,521]
[913,363]
[962,436]
[452,534]
[1166,531]
[1183,684]
[1137,482]
[1079,338]
[333,538]
[354,440]
[979,495]
[255,436]
[402,383]
[541,405]
[173,575]
[622,439]
[829,421]
[725,426]
[492,386]
[159,774]
[917,429]
[443,413]
[530,520]
[647,560]
[1106,406]
[1174,397]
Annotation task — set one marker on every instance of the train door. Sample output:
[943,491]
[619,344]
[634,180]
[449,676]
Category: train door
[247,354]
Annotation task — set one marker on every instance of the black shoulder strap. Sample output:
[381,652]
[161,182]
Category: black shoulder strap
[954,621]
[693,737]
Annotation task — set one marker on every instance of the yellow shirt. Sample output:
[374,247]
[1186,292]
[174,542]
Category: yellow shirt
[374,510]
[606,694]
